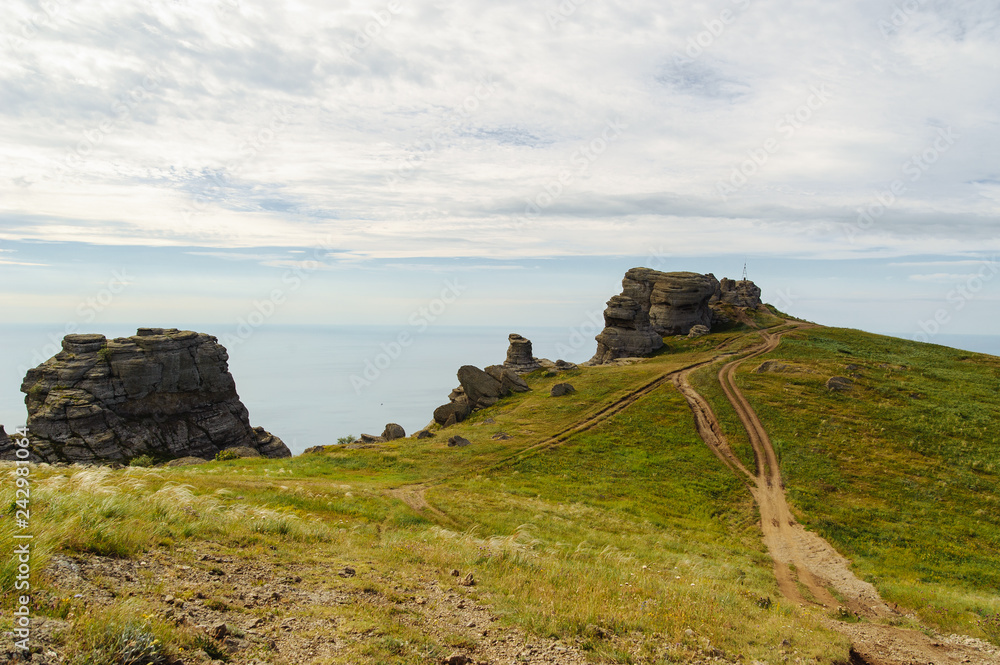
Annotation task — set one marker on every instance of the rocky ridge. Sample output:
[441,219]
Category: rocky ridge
[653,304]
[163,392]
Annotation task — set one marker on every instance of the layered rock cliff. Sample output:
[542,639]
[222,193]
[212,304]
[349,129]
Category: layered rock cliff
[654,304]
[162,392]
[742,293]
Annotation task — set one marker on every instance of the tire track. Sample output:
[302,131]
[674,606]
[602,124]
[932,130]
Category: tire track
[414,495]
[803,559]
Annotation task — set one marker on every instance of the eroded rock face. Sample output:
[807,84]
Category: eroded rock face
[653,304]
[519,355]
[162,392]
[742,293]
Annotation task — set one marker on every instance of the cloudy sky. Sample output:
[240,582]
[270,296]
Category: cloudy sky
[168,161]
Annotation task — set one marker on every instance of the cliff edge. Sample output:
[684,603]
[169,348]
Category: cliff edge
[166,393]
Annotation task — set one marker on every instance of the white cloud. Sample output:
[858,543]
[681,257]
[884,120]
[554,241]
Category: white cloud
[223,127]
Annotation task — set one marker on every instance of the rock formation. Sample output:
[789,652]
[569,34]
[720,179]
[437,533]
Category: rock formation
[5,441]
[478,389]
[519,357]
[653,304]
[743,293]
[162,392]
[626,333]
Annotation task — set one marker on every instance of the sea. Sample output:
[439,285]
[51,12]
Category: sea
[310,385]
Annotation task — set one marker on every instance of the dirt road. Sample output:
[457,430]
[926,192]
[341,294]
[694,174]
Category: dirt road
[807,568]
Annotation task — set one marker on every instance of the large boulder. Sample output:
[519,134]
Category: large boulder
[561,389]
[481,389]
[452,412]
[478,389]
[162,392]
[393,431]
[519,355]
[510,380]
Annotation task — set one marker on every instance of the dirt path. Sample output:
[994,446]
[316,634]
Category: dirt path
[414,495]
[805,565]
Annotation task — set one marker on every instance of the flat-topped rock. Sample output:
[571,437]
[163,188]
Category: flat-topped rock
[655,304]
[163,392]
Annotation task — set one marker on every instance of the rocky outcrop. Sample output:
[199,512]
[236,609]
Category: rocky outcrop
[653,304]
[5,442]
[519,355]
[627,332]
[162,392]
[478,389]
[742,293]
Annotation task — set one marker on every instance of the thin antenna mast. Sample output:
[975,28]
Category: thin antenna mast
[744,270]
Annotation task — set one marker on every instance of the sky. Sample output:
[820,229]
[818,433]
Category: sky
[489,163]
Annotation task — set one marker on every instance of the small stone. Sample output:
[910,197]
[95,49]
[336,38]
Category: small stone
[218,631]
[839,383]
[698,331]
[457,659]
[169,600]
[501,436]
[347,572]
[468,581]
[458,442]
[424,434]
[455,573]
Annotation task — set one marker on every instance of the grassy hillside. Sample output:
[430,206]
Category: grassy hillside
[626,542]
[623,541]
[901,473]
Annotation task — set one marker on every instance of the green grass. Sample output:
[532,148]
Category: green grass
[618,540]
[902,473]
[633,527]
